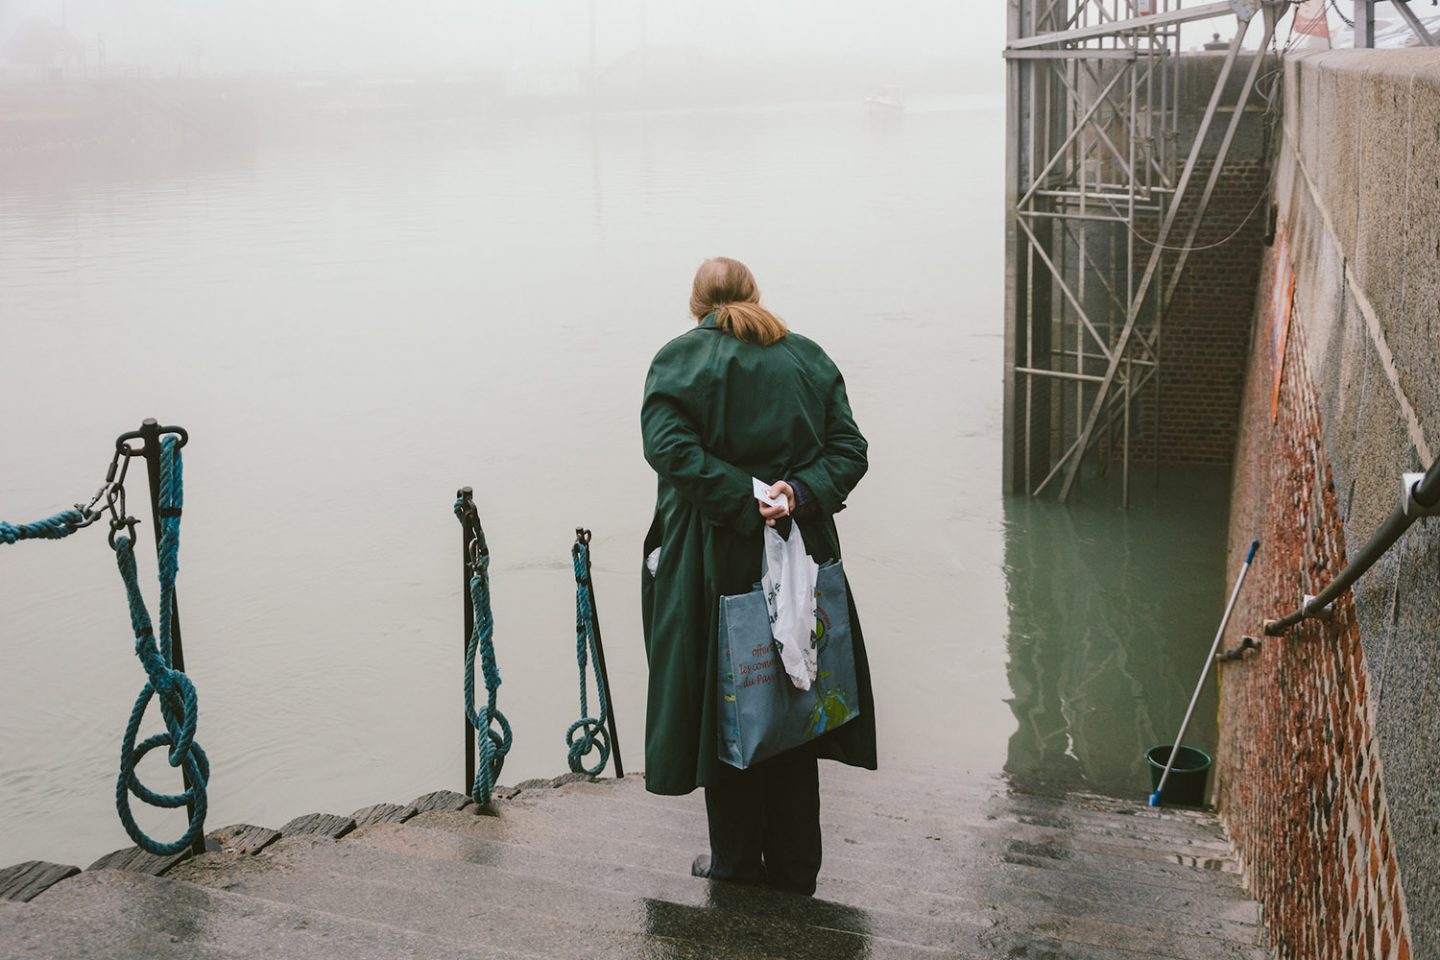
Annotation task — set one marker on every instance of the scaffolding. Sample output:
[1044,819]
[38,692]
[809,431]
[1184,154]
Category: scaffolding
[1097,175]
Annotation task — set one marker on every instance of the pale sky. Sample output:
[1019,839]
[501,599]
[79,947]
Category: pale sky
[223,35]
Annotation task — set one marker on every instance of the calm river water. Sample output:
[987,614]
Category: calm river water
[352,329]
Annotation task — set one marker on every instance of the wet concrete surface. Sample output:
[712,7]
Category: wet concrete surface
[918,863]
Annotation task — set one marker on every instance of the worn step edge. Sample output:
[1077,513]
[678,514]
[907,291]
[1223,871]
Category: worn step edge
[235,925]
[1078,815]
[1047,811]
[24,881]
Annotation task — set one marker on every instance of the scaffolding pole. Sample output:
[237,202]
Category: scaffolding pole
[1093,163]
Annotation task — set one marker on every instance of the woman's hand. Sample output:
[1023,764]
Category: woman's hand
[777,490]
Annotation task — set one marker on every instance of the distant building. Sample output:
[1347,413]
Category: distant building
[40,49]
[644,67]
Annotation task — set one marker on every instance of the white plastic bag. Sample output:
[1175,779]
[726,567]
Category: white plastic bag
[789,584]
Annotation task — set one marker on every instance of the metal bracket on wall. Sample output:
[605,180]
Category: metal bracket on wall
[1325,613]
[1411,506]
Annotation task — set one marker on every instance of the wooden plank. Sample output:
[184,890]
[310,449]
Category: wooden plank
[319,824]
[382,813]
[441,800]
[243,838]
[24,881]
[138,861]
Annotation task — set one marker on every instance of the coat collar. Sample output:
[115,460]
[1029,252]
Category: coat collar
[710,321]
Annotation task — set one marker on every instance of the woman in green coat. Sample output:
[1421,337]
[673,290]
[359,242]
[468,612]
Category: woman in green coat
[739,396]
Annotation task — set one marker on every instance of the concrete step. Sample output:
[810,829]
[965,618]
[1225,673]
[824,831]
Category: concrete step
[1023,898]
[931,890]
[31,931]
[478,904]
[842,789]
[996,817]
[124,915]
[620,899]
[918,864]
[616,809]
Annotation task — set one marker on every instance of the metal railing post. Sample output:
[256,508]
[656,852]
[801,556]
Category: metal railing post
[600,662]
[150,432]
[467,570]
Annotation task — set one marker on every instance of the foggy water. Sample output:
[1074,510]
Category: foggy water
[352,329]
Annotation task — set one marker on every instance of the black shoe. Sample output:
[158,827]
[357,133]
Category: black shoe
[701,866]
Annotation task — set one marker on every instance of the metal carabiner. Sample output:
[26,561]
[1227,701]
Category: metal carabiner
[112,489]
[122,523]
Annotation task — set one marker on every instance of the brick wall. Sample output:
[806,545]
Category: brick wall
[1301,783]
[1206,337]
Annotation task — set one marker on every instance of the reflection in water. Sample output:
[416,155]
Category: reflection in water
[745,919]
[1111,617]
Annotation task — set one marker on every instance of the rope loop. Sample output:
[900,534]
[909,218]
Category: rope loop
[179,705]
[492,729]
[595,737]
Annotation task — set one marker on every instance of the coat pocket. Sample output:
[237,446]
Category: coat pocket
[647,579]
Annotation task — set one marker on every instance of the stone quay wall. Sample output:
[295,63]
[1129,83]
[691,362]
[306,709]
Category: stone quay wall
[1325,768]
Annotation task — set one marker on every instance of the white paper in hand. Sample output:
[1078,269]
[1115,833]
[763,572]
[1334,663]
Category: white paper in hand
[762,493]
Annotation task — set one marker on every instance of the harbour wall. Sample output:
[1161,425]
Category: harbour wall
[1325,765]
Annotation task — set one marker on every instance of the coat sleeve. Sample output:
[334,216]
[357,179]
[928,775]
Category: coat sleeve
[832,475]
[717,488]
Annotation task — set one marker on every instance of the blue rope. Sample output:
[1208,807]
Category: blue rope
[51,528]
[493,744]
[179,706]
[593,734]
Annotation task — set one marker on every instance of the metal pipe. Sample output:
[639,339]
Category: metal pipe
[1059,278]
[1413,22]
[600,662]
[1058,215]
[1114,27]
[1059,154]
[467,570]
[1420,496]
[1059,374]
[1205,673]
[1364,24]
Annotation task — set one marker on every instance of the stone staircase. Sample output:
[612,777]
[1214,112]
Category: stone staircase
[917,864]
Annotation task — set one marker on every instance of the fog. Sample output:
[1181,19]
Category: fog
[207,37]
[367,253]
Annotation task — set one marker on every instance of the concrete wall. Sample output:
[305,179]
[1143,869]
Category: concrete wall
[1327,761]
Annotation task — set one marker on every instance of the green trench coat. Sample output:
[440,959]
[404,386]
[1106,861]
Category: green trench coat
[716,412]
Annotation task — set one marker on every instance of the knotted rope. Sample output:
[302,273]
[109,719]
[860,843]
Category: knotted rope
[492,730]
[593,735]
[51,528]
[179,706]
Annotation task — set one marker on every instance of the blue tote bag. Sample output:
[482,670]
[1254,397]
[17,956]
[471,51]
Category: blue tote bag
[761,712]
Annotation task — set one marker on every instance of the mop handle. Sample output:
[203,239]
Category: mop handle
[1204,674]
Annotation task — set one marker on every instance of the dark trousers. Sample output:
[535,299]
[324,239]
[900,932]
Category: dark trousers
[765,822]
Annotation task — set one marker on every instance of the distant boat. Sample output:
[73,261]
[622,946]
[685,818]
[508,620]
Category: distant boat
[884,100]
